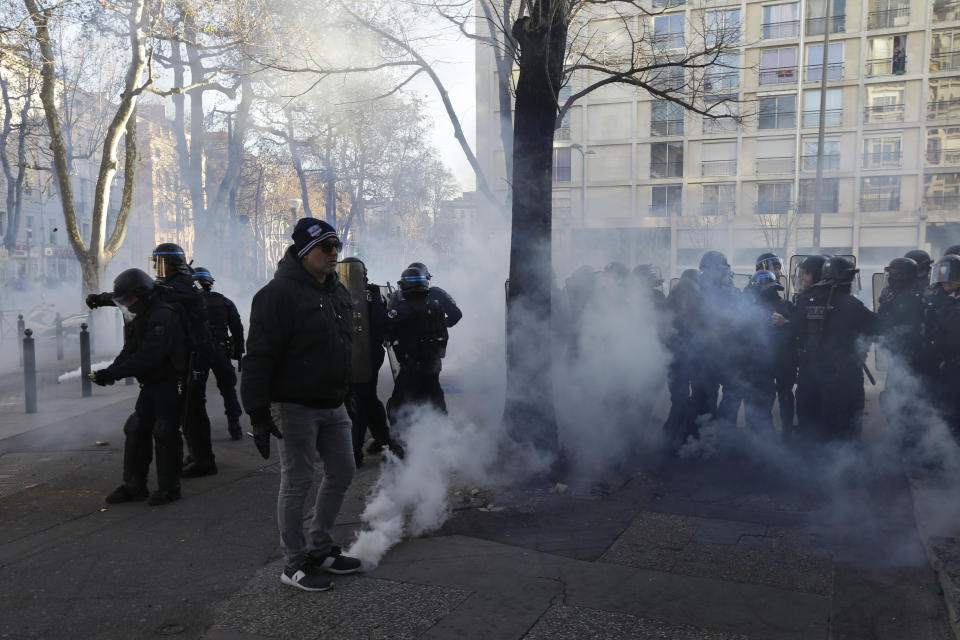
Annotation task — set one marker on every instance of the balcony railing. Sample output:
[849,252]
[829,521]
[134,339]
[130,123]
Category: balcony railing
[814,72]
[776,165]
[829,203]
[838,24]
[950,201]
[885,67]
[715,81]
[778,75]
[943,109]
[666,4]
[831,118]
[665,210]
[880,201]
[944,60]
[883,113]
[943,156]
[562,133]
[882,159]
[773,206]
[830,162]
[787,29]
[666,169]
[718,208]
[715,168]
[668,41]
[666,127]
[777,120]
[719,125]
[888,18]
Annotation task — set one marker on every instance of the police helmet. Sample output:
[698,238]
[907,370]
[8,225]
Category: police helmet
[421,266]
[812,265]
[764,280]
[414,280]
[838,270]
[948,269]
[769,262]
[952,251]
[354,259]
[132,283]
[648,274]
[203,276]
[167,259]
[923,260]
[690,274]
[713,260]
[902,270]
[617,269]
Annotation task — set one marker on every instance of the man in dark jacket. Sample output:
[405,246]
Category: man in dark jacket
[226,330]
[155,354]
[296,375]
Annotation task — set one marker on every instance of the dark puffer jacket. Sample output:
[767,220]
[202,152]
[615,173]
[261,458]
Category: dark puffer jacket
[298,348]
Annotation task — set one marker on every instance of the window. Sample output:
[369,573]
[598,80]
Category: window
[720,106]
[666,160]
[943,98]
[778,65]
[946,10]
[781,20]
[884,103]
[886,55]
[945,50]
[723,27]
[882,153]
[816,19]
[668,31]
[666,118]
[776,155]
[563,130]
[722,74]
[719,199]
[778,112]
[811,108]
[885,14]
[943,146]
[666,200]
[667,79]
[880,193]
[719,159]
[815,62]
[774,197]
[831,155]
[830,196]
[941,191]
[561,164]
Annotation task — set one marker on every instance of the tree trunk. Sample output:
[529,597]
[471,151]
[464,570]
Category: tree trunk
[203,231]
[14,182]
[529,410]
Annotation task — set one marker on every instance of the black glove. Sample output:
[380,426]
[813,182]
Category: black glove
[93,300]
[237,349]
[263,428]
[102,378]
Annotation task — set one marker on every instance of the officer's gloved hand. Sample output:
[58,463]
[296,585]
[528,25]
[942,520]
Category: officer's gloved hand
[93,300]
[102,378]
[264,427]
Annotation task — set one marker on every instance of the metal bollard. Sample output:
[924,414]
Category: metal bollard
[29,372]
[86,384]
[59,337]
[20,326]
[92,331]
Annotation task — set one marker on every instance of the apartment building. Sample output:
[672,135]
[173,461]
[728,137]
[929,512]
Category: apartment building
[641,180]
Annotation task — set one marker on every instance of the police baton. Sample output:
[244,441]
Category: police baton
[870,377]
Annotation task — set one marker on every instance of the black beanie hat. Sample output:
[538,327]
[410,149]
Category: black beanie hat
[308,233]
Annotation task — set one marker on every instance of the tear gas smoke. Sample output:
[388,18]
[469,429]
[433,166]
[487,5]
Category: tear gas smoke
[71,375]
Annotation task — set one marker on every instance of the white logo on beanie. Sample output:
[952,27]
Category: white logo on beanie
[314,230]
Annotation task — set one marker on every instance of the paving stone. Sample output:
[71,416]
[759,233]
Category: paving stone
[580,623]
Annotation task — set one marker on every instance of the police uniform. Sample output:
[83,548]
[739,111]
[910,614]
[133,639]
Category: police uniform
[226,329]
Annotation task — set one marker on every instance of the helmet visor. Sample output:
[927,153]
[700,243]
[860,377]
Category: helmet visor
[158,265]
[947,271]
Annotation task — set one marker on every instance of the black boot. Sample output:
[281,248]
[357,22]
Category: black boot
[198,469]
[124,493]
[233,427]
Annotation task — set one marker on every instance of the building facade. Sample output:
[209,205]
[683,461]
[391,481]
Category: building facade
[641,180]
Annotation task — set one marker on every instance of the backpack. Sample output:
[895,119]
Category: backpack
[421,334]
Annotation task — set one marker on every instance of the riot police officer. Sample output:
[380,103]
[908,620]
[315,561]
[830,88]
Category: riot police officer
[155,354]
[226,329]
[417,330]
[451,311]
[770,262]
[947,340]
[648,277]
[924,262]
[831,327]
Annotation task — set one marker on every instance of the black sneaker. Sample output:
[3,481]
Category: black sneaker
[233,427]
[397,449]
[335,562]
[199,469]
[123,493]
[159,498]
[304,578]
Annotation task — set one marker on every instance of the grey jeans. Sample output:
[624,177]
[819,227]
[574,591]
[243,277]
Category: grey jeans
[308,432]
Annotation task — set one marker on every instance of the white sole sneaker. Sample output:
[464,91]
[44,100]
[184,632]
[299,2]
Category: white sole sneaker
[302,580]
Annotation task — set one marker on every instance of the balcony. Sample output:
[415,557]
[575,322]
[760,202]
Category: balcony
[945,60]
[885,67]
[880,201]
[943,109]
[776,165]
[941,157]
[830,163]
[778,75]
[882,160]
[777,120]
[562,133]
[883,113]
[666,127]
[814,72]
[665,210]
[942,201]
[666,169]
[788,29]
[716,81]
[889,18]
[718,168]
[831,118]
[773,207]
[719,208]
[838,24]
[668,4]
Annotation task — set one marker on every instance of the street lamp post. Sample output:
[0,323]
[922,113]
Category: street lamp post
[583,179]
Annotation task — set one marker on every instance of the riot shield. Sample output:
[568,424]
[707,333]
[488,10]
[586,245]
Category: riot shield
[796,261]
[673,281]
[354,278]
[741,280]
[879,284]
[387,291]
